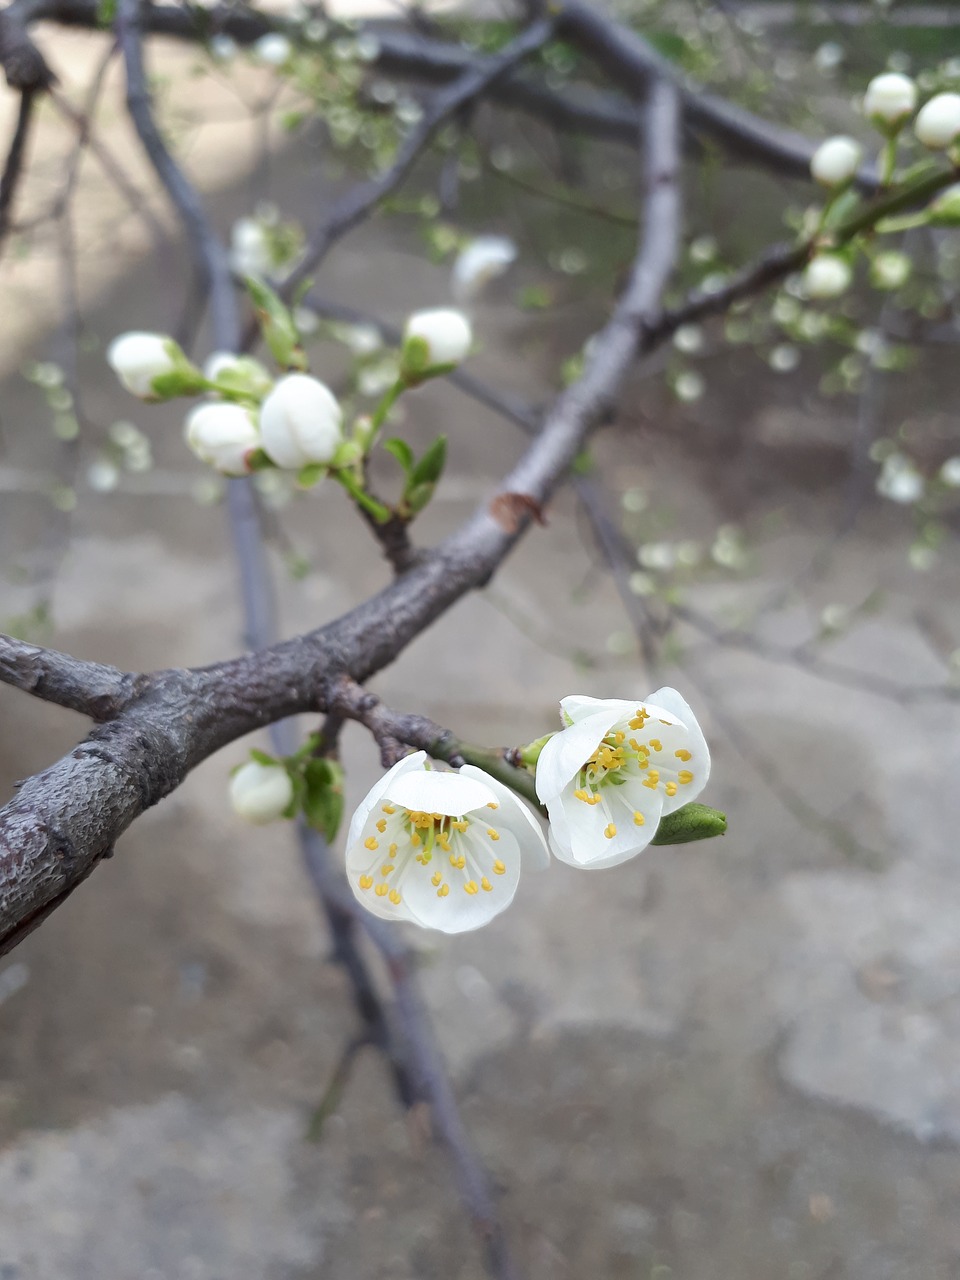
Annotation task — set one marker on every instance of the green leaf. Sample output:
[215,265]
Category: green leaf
[430,467]
[693,822]
[276,325]
[402,452]
[323,796]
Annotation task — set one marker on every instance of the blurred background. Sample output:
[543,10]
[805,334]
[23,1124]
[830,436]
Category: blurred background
[735,1058]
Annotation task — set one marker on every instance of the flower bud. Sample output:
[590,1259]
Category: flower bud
[260,793]
[250,253]
[237,374]
[479,263]
[274,49]
[945,210]
[827,276]
[300,422]
[223,436]
[836,161]
[434,340]
[938,124]
[889,100]
[138,358]
[890,269]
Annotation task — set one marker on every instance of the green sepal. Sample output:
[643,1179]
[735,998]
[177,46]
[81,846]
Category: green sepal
[530,754]
[312,474]
[693,822]
[322,800]
[260,460]
[184,379]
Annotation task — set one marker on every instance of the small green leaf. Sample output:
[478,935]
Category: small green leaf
[276,324]
[401,451]
[323,796]
[430,467]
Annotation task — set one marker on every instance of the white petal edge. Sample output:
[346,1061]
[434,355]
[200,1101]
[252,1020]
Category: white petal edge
[439,791]
[563,756]
[377,792]
[516,817]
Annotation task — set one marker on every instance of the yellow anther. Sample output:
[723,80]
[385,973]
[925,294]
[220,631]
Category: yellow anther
[414,838]
[458,860]
[685,776]
[582,795]
[652,779]
[381,890]
[637,746]
[387,808]
[619,736]
[682,754]
[366,882]
[638,818]
[394,897]
[381,825]
[494,835]
[436,878]
[485,884]
[610,830]
[443,891]
[499,867]
[670,788]
[493,804]
[471,887]
[656,744]
[393,851]
[387,868]
[459,825]
[443,840]
[640,718]
[371,843]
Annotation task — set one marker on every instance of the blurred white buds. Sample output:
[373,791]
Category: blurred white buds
[300,422]
[480,262]
[273,49]
[250,253]
[260,793]
[223,436]
[137,358]
[435,339]
[889,100]
[890,269]
[223,48]
[938,123]
[827,276]
[836,161]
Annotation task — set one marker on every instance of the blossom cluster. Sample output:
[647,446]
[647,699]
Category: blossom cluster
[444,849]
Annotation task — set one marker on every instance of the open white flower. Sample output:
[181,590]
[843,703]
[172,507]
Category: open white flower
[440,849]
[223,436]
[836,161]
[938,124]
[615,770]
[480,262]
[890,98]
[300,422]
[260,793]
[137,358]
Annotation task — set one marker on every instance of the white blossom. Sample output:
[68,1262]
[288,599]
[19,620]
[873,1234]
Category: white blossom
[223,436]
[300,422]
[615,770]
[827,276]
[938,123]
[446,333]
[899,480]
[274,49]
[890,98]
[480,262]
[440,849]
[950,472]
[260,793]
[137,358]
[836,161]
[890,269]
[250,253]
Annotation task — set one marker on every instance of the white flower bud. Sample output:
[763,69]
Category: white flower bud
[479,263]
[889,100]
[300,422]
[836,161]
[274,49]
[890,269]
[138,358]
[223,436]
[827,276]
[938,124]
[250,253]
[260,793]
[446,333]
[223,48]
[950,473]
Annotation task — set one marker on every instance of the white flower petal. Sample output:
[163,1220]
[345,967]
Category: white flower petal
[377,792]
[699,763]
[578,706]
[564,755]
[437,791]
[578,829]
[514,816]
[466,904]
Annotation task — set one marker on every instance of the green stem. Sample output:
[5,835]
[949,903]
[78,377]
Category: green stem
[888,161]
[360,496]
[379,415]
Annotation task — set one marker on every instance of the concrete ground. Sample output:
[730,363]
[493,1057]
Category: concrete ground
[735,1059]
